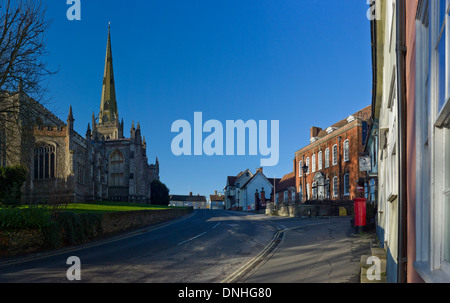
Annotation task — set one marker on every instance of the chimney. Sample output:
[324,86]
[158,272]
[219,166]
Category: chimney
[190,194]
[315,131]
[215,192]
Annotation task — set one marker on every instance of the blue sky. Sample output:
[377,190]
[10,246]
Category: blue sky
[302,62]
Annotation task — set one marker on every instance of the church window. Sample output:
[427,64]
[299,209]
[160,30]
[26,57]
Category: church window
[44,162]
[117,169]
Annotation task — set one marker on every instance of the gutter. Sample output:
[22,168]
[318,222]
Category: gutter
[401,116]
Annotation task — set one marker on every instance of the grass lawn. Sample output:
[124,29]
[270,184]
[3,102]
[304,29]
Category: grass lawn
[104,207]
[111,207]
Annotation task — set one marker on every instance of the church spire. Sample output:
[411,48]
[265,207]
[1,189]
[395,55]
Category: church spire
[108,105]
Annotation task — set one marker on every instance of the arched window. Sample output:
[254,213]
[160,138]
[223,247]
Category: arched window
[335,186]
[327,188]
[327,158]
[319,160]
[346,150]
[117,169]
[44,162]
[335,154]
[346,184]
[314,190]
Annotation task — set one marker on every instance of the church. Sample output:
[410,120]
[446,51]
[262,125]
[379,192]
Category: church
[66,167]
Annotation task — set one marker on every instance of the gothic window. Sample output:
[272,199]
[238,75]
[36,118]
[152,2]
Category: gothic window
[44,162]
[117,169]
[80,173]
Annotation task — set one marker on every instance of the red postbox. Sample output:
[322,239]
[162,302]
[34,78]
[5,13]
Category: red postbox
[360,213]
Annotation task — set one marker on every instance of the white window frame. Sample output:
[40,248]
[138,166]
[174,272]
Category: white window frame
[432,147]
[347,184]
[319,160]
[307,164]
[335,186]
[335,155]
[313,163]
[346,150]
[327,158]
[300,168]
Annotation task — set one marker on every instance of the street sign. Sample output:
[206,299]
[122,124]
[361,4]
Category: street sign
[365,163]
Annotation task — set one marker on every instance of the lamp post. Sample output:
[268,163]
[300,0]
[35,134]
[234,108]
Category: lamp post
[305,170]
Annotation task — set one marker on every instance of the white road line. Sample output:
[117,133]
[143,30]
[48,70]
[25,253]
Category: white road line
[216,225]
[193,238]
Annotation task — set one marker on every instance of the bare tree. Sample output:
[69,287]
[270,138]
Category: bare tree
[23,26]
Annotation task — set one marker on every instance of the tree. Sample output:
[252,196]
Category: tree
[160,193]
[11,179]
[22,72]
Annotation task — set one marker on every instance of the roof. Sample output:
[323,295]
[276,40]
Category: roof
[287,181]
[363,114]
[188,198]
[217,198]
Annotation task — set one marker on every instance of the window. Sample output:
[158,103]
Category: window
[300,192]
[335,186]
[293,195]
[314,190]
[307,192]
[44,166]
[286,193]
[300,168]
[346,151]
[327,158]
[327,188]
[277,196]
[433,141]
[117,169]
[313,164]
[319,160]
[346,184]
[80,173]
[335,154]
[307,164]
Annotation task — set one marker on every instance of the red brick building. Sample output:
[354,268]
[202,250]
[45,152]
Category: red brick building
[332,159]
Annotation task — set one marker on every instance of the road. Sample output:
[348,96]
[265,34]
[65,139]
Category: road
[205,247]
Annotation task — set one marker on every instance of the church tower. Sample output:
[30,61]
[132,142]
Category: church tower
[108,126]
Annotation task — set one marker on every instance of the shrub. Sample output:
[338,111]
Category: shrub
[29,218]
[11,180]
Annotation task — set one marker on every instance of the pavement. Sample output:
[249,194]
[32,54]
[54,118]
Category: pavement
[316,251]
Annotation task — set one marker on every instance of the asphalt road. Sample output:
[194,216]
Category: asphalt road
[209,247]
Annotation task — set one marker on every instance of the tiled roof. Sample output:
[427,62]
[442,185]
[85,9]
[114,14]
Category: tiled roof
[287,181]
[216,198]
[363,114]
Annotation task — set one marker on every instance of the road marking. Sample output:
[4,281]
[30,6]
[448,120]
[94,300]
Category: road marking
[193,238]
[216,225]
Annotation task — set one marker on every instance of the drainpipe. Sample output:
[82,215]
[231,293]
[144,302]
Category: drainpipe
[401,116]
